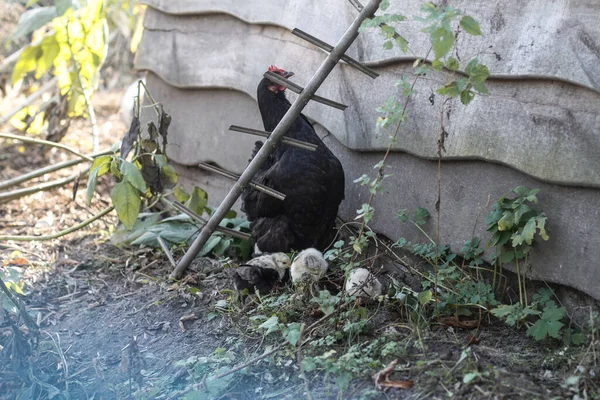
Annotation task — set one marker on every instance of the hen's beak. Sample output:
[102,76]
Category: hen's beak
[288,74]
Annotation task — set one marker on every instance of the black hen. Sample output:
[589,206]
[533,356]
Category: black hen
[313,182]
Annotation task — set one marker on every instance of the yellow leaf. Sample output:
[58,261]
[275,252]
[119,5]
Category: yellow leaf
[27,62]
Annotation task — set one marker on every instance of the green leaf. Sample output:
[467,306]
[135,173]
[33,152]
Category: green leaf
[541,224]
[437,65]
[27,62]
[168,176]
[506,222]
[50,50]
[102,163]
[388,45]
[524,235]
[470,25]
[452,64]
[133,174]
[425,297]
[292,333]
[471,376]
[197,201]
[180,195]
[402,43]
[271,325]
[62,6]
[421,216]
[127,202]
[449,89]
[466,96]
[32,20]
[384,5]
[210,245]
[442,41]
[91,186]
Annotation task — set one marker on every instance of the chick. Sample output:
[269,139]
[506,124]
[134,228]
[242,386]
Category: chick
[362,283]
[308,262]
[262,273]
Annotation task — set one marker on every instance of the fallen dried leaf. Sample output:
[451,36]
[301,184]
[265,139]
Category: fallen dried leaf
[383,381]
[174,286]
[457,323]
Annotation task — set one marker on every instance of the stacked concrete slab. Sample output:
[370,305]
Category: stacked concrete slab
[540,125]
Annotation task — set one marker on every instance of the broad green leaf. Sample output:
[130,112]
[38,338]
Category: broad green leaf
[32,20]
[425,297]
[449,89]
[466,96]
[506,222]
[168,176]
[539,330]
[114,168]
[210,245]
[384,5]
[197,201]
[524,235]
[470,25]
[91,186]
[541,224]
[133,174]
[62,6]
[452,64]
[402,43]
[127,202]
[144,222]
[292,333]
[27,62]
[437,65]
[271,325]
[471,376]
[442,41]
[554,313]
[388,45]
[50,50]
[421,216]
[180,195]
[103,163]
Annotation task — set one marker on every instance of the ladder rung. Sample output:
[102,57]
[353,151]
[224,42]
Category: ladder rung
[298,89]
[197,218]
[327,47]
[290,141]
[235,177]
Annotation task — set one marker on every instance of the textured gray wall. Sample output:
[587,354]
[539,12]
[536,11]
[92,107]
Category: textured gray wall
[540,125]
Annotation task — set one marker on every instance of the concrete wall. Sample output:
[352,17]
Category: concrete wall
[540,125]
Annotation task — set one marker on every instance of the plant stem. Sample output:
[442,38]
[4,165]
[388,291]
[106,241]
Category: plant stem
[61,233]
[86,96]
[45,143]
[519,280]
[16,194]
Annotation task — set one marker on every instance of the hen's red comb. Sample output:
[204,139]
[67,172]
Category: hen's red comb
[273,68]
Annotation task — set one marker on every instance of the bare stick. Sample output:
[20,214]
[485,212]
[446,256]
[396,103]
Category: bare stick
[61,233]
[46,170]
[196,217]
[235,177]
[164,247]
[16,194]
[29,100]
[292,142]
[283,126]
[327,47]
[299,89]
[45,143]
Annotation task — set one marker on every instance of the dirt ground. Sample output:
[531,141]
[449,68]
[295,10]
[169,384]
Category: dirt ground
[113,327]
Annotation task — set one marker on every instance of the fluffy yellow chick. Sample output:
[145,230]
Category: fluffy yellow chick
[310,263]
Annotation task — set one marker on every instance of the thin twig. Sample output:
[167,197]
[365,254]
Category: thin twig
[46,170]
[164,247]
[45,143]
[61,233]
[16,194]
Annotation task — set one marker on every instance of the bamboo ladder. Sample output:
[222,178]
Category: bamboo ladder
[336,54]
